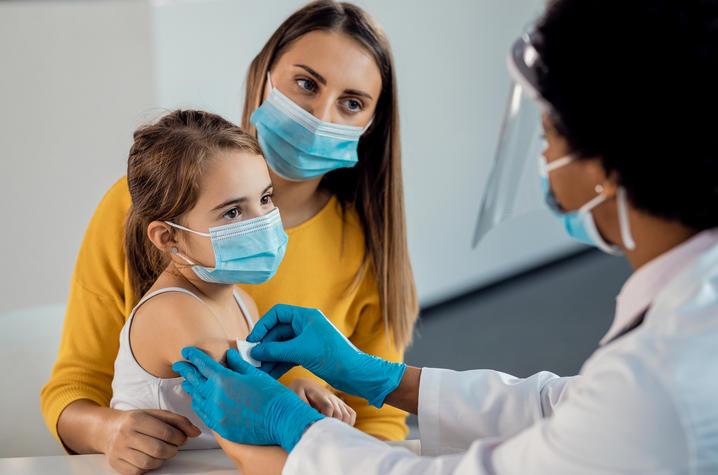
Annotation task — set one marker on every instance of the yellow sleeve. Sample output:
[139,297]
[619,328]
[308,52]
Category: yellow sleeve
[96,311]
[370,335]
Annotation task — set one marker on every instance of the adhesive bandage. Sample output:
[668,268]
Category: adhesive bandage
[244,347]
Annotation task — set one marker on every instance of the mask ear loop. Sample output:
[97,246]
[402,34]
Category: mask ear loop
[623,221]
[175,251]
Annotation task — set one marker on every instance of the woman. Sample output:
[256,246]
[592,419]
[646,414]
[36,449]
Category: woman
[631,166]
[342,208]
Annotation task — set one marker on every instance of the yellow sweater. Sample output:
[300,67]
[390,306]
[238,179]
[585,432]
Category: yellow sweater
[323,256]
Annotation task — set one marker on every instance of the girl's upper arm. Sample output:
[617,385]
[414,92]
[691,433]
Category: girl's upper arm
[169,322]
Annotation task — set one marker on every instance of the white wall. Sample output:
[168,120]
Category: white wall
[76,77]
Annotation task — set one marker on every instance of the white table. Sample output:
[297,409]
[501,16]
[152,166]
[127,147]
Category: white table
[213,462]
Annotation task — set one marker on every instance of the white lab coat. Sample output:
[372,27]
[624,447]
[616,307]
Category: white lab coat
[645,403]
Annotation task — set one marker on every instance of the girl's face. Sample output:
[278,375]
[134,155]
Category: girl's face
[235,187]
[331,76]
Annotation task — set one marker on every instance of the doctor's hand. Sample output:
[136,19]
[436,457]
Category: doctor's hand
[290,336]
[241,403]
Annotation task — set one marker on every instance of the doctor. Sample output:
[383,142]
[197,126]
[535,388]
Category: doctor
[629,96]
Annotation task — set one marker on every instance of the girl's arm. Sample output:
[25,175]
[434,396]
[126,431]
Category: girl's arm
[169,322]
[254,460]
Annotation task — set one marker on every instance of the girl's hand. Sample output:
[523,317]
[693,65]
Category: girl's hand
[323,400]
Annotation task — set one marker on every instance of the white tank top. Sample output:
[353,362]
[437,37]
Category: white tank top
[135,388]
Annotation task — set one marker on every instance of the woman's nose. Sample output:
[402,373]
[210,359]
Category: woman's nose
[323,109]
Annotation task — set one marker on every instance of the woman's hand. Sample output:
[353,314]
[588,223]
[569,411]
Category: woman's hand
[241,403]
[290,336]
[323,400]
[142,440]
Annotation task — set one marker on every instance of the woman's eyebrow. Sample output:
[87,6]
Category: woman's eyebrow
[323,81]
[316,75]
[355,92]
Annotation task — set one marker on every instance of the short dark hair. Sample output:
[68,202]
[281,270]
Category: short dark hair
[634,83]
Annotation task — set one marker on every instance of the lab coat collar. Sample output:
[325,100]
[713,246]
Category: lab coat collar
[645,284]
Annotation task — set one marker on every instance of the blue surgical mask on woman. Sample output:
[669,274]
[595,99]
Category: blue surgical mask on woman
[247,252]
[580,224]
[299,146]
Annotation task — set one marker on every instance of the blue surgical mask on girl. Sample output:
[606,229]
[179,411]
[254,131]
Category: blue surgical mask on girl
[247,252]
[580,224]
[299,146]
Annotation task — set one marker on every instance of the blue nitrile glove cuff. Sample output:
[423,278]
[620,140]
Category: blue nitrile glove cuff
[377,378]
[292,418]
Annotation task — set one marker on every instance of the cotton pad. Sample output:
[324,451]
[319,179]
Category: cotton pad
[244,347]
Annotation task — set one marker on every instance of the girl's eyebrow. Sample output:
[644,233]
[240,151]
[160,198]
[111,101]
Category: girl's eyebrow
[240,200]
[323,81]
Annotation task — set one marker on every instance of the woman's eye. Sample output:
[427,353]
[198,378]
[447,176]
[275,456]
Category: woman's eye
[232,213]
[307,84]
[266,199]
[352,105]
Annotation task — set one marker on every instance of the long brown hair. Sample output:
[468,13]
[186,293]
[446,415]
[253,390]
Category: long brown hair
[374,187]
[165,165]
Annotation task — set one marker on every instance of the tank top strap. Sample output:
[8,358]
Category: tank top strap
[163,291]
[244,309]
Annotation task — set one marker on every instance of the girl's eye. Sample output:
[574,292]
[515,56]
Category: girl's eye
[307,85]
[266,199]
[352,105]
[232,213]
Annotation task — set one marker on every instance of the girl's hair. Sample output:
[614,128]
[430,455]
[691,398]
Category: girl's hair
[165,165]
[374,187]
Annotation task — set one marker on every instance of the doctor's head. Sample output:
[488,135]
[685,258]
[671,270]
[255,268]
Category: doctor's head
[633,100]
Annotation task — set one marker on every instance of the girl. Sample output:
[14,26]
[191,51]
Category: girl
[321,95]
[191,172]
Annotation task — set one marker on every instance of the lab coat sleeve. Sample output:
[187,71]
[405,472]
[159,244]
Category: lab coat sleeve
[618,420]
[483,403]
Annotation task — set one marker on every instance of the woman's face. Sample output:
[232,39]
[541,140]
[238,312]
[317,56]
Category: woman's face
[235,187]
[331,76]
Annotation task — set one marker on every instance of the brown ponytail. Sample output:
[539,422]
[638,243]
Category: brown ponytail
[165,165]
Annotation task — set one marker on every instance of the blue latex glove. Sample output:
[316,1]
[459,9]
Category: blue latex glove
[291,336]
[241,403]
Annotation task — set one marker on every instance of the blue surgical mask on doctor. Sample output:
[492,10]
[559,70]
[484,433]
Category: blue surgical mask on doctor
[580,224]
[246,252]
[297,145]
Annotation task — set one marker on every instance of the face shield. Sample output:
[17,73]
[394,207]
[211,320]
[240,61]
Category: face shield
[520,141]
